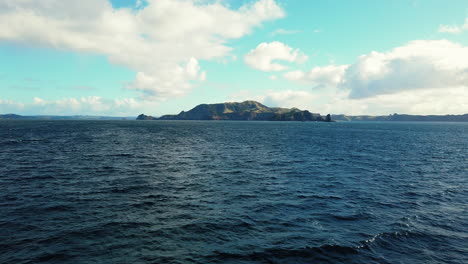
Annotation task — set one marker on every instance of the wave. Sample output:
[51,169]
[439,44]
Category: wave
[360,252]
[353,217]
[317,196]
[321,254]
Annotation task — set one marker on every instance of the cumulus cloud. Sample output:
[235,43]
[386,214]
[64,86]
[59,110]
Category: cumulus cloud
[89,105]
[167,79]
[418,65]
[421,64]
[263,57]
[423,102]
[421,77]
[162,40]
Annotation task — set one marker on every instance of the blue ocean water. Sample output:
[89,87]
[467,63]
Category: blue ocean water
[233,192]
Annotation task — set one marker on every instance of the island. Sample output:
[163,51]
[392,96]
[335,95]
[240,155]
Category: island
[247,111]
[251,110]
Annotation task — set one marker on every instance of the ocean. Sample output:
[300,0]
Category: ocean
[233,192]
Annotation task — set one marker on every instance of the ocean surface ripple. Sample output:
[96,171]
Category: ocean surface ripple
[233,192]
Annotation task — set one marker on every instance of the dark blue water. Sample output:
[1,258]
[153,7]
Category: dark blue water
[233,192]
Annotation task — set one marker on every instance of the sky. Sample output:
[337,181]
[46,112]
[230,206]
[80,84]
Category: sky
[126,57]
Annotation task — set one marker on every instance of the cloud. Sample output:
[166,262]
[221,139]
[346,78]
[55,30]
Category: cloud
[263,56]
[138,3]
[453,29]
[88,105]
[162,40]
[10,106]
[319,76]
[421,64]
[418,102]
[282,31]
[282,98]
[421,77]
[244,95]
[167,79]
[423,102]
[289,98]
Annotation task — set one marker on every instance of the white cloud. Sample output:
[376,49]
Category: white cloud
[421,64]
[421,77]
[319,76]
[162,84]
[273,77]
[89,105]
[418,102]
[283,98]
[162,41]
[453,29]
[39,101]
[290,98]
[244,95]
[10,106]
[138,3]
[282,31]
[263,57]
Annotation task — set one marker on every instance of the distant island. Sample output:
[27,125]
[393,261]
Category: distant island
[404,118]
[54,117]
[247,110]
[252,110]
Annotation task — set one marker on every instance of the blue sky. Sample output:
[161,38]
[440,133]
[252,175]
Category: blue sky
[163,56]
